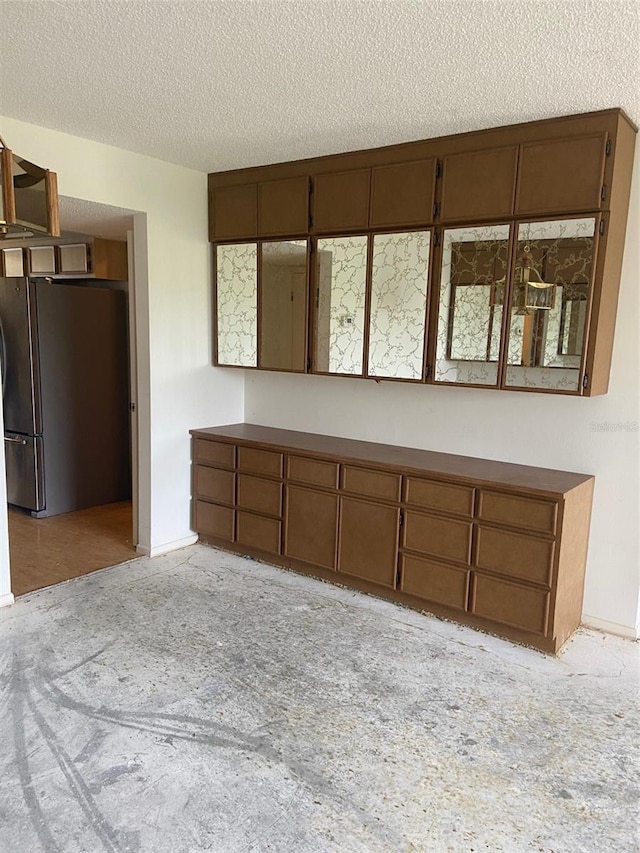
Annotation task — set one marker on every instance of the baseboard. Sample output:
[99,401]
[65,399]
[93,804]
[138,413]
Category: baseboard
[157,550]
[6,600]
[609,627]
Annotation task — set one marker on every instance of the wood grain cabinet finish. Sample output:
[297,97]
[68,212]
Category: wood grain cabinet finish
[497,546]
[479,185]
[402,194]
[566,168]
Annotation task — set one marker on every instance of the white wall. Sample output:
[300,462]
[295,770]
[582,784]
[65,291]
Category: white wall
[178,388]
[533,429]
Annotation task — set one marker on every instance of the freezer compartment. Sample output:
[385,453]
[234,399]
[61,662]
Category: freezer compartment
[25,471]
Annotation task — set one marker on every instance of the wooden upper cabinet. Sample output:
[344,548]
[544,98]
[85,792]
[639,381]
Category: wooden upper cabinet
[561,175]
[341,201]
[479,185]
[283,207]
[234,212]
[402,194]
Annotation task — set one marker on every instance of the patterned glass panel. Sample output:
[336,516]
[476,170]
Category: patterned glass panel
[550,287]
[283,305]
[341,282]
[237,298]
[398,304]
[474,266]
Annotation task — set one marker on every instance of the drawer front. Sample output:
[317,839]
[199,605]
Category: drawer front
[438,537]
[260,461]
[313,472]
[214,484]
[444,497]
[515,555]
[215,452]
[516,511]
[259,495]
[212,520]
[511,604]
[258,532]
[376,484]
[436,582]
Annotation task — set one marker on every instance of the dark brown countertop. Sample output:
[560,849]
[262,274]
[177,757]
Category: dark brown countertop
[404,459]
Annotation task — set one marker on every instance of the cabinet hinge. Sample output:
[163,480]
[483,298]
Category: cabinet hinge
[438,169]
[401,519]
[427,372]
[603,192]
[436,238]
[436,210]
[607,150]
[585,380]
[398,577]
[308,365]
[601,229]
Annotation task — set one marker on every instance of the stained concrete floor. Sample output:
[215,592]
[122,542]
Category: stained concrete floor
[200,701]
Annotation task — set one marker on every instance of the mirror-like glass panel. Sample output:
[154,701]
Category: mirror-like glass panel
[29,186]
[237,304]
[341,283]
[398,304]
[550,288]
[283,305]
[474,266]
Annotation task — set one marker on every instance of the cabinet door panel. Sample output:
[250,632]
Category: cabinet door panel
[479,184]
[368,541]
[214,484]
[311,526]
[258,532]
[439,537]
[561,175]
[515,555]
[235,212]
[511,604]
[284,207]
[210,519]
[403,194]
[433,581]
[341,201]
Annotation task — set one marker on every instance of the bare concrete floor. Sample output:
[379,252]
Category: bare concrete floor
[201,701]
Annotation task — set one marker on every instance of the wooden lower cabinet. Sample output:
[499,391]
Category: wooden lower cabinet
[497,546]
[311,527]
[368,541]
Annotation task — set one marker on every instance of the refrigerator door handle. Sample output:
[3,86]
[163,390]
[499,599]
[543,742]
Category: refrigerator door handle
[3,358]
[21,441]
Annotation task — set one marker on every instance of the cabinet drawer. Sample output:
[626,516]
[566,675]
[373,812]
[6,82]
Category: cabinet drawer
[446,585]
[214,484]
[516,555]
[445,497]
[376,484]
[212,520]
[313,472]
[216,452]
[260,495]
[510,604]
[260,461]
[528,513]
[438,537]
[258,532]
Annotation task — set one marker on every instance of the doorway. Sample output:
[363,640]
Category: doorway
[87,521]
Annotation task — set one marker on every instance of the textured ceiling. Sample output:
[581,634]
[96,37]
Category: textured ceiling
[229,83]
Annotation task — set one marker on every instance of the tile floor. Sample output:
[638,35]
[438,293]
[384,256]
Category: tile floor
[205,702]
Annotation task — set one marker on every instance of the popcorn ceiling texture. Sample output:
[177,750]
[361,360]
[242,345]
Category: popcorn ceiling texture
[221,85]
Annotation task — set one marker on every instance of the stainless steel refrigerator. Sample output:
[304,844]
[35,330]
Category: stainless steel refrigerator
[65,386]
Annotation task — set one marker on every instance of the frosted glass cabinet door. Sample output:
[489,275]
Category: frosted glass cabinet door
[237,304]
[283,305]
[550,294]
[399,276]
[472,286]
[340,295]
